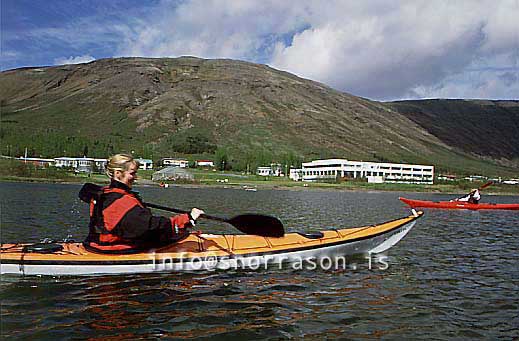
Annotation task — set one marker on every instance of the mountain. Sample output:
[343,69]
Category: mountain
[250,112]
[481,127]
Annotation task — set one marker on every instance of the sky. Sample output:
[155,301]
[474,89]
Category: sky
[381,50]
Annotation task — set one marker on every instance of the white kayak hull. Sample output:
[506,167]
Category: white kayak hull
[299,252]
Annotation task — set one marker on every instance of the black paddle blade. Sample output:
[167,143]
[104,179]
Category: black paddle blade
[258,224]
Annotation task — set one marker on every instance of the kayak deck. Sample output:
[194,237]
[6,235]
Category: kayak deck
[207,251]
[457,205]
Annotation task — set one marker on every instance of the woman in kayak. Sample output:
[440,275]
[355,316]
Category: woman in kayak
[121,223]
[473,197]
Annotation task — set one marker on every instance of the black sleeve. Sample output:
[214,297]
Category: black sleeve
[139,222]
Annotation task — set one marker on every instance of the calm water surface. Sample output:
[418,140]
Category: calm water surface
[455,276]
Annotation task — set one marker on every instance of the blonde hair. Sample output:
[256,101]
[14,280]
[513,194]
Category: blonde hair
[120,162]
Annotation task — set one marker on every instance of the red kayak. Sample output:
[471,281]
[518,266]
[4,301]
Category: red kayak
[458,205]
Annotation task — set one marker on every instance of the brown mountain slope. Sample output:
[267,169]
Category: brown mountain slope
[149,105]
[483,127]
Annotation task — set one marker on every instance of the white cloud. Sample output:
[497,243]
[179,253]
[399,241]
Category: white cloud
[479,80]
[415,45]
[214,29]
[73,60]
[380,50]
[377,49]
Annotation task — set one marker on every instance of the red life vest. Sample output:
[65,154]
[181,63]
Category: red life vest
[110,218]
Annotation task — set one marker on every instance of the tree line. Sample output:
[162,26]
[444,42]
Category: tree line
[193,145]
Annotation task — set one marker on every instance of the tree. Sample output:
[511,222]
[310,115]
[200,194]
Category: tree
[221,159]
[190,141]
[290,160]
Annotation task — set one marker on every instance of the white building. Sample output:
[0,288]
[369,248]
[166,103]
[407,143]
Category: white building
[37,161]
[81,164]
[145,164]
[473,178]
[373,171]
[264,171]
[101,164]
[447,177]
[168,161]
[274,170]
[296,174]
[65,161]
[204,163]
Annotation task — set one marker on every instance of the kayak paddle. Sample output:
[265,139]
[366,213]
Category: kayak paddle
[486,185]
[257,224]
[254,224]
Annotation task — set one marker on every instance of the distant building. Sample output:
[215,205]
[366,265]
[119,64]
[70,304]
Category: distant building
[264,171]
[81,164]
[101,164]
[319,170]
[172,173]
[174,162]
[37,161]
[65,162]
[145,164]
[296,174]
[447,177]
[472,178]
[274,170]
[204,163]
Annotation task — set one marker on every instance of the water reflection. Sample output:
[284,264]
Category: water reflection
[454,276]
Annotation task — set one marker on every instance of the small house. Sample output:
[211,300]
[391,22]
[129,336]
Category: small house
[204,163]
[145,164]
[174,162]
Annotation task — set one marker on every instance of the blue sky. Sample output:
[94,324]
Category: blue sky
[382,50]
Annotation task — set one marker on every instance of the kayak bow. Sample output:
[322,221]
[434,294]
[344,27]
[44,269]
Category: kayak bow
[457,205]
[206,252]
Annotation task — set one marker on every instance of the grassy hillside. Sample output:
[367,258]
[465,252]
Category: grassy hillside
[245,114]
[480,127]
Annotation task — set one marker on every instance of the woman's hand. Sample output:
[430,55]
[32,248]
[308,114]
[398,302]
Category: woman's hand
[195,213]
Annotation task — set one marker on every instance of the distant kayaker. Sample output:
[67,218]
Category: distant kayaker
[119,220]
[473,197]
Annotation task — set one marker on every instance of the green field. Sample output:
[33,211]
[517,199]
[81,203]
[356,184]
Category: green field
[14,170]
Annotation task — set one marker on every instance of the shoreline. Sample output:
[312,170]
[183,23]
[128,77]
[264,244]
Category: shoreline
[330,188]
[297,186]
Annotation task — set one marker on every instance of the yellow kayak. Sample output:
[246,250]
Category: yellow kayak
[206,252]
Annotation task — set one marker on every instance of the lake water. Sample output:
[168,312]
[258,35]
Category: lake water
[455,276]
